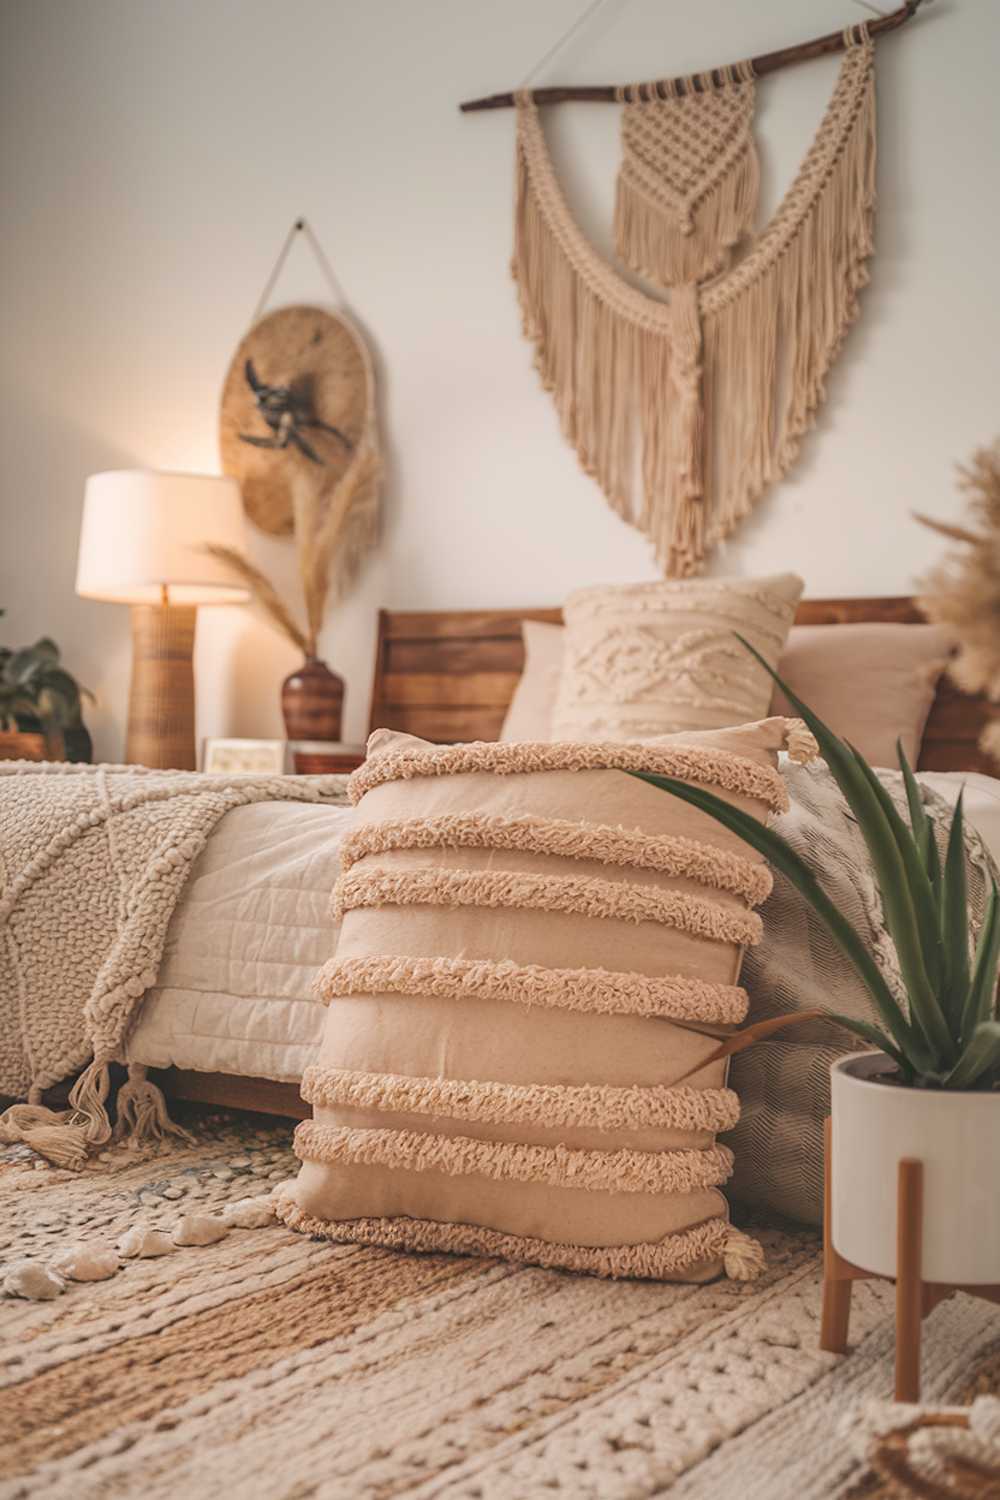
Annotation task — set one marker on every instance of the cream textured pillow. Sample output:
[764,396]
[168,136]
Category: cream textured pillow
[648,659]
[870,683]
[530,939]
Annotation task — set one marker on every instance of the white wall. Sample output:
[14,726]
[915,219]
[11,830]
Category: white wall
[154,153]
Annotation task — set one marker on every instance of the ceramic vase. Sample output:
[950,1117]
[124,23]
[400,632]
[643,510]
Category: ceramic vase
[312,702]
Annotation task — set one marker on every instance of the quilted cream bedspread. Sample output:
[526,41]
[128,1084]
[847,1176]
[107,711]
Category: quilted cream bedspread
[234,991]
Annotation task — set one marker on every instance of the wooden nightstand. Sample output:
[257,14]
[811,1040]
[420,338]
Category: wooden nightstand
[324,757]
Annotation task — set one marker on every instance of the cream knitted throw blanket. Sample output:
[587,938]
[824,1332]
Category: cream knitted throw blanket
[92,862]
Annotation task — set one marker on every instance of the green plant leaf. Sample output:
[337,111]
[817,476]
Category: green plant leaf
[53,710]
[24,706]
[980,1004]
[981,1056]
[934,867]
[955,921]
[877,1037]
[929,925]
[23,666]
[923,827]
[784,858]
[897,898]
[61,685]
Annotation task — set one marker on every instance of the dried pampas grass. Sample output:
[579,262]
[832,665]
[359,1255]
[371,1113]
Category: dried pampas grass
[963,592]
[333,531]
[332,534]
[262,591]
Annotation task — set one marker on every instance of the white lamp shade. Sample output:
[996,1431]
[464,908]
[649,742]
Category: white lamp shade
[143,531]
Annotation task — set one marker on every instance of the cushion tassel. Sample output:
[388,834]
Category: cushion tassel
[742,1258]
[800,742]
[142,1110]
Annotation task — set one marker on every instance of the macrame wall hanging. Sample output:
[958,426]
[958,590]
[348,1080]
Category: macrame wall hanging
[686,409]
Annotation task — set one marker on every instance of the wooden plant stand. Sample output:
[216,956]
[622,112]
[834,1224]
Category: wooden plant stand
[915,1298]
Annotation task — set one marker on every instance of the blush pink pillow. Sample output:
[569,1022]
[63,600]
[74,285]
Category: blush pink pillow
[871,683]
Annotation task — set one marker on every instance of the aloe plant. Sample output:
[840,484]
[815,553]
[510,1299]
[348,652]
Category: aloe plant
[947,1036]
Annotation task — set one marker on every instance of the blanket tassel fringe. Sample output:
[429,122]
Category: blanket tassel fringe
[142,1110]
[66,1137]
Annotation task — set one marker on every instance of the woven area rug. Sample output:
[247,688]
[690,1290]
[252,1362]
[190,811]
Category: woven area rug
[271,1365]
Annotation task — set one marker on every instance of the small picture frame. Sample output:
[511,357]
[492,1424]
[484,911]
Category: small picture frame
[244,757]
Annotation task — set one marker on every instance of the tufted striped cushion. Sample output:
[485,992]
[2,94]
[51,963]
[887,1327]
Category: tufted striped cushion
[534,947]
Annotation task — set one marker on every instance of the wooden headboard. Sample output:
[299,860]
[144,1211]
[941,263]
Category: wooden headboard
[449,676]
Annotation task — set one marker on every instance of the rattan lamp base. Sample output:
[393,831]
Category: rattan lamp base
[161,701]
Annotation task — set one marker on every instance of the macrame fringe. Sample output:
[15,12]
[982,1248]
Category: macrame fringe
[67,1137]
[685,425]
[627,372]
[672,251]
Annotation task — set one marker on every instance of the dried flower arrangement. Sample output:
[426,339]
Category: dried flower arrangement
[963,592]
[332,534]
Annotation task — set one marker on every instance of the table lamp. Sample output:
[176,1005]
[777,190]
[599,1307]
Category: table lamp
[142,542]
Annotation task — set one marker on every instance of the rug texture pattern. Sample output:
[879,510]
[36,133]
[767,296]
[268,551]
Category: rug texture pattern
[272,1365]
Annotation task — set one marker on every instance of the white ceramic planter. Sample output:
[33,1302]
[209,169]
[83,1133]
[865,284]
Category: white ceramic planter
[957,1138]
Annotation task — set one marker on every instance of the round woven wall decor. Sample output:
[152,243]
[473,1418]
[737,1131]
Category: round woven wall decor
[298,373]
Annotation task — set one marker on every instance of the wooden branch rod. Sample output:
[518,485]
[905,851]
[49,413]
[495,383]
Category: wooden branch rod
[769,62]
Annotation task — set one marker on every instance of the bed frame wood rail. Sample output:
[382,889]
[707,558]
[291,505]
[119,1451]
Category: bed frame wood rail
[450,676]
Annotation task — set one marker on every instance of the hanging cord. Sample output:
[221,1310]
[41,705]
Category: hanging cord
[302,226]
[562,41]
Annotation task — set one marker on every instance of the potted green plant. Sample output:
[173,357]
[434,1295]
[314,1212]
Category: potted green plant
[40,706]
[931,1088]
